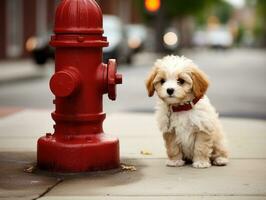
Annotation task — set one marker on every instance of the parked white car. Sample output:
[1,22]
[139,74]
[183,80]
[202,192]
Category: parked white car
[219,37]
[137,36]
[117,37]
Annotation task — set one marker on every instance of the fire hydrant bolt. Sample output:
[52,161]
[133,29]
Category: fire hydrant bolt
[118,79]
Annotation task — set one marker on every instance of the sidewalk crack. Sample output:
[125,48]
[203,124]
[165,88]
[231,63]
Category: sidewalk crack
[49,189]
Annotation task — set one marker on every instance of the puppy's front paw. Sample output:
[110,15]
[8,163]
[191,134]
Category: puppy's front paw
[175,163]
[201,164]
[220,161]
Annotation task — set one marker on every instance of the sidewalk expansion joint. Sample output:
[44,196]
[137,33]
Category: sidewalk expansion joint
[49,189]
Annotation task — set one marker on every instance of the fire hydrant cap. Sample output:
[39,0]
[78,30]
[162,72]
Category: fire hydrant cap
[64,83]
[78,16]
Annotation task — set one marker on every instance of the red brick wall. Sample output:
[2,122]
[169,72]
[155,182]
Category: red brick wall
[136,15]
[2,28]
[112,7]
[51,8]
[29,21]
[109,6]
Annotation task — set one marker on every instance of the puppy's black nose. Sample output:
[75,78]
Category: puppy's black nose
[170,91]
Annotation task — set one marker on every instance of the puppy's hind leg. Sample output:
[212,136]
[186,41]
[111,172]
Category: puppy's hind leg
[220,154]
[173,150]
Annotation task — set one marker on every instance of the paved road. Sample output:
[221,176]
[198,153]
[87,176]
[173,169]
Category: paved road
[237,84]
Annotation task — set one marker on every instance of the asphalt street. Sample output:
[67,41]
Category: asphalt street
[237,84]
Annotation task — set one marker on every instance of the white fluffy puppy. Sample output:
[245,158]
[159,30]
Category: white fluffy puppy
[189,123]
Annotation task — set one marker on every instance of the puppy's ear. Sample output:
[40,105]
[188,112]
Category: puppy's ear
[200,82]
[149,81]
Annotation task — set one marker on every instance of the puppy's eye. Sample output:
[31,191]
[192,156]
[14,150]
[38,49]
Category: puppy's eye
[180,81]
[162,81]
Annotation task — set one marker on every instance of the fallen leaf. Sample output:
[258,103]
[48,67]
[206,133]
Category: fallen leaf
[126,167]
[30,169]
[145,152]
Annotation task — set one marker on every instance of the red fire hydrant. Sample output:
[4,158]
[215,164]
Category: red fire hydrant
[80,80]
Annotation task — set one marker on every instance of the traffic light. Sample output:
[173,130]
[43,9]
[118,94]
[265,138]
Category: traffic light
[152,5]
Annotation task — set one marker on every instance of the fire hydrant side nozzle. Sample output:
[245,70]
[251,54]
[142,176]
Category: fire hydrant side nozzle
[65,82]
[79,83]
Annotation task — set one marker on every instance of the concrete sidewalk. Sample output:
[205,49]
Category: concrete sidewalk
[11,71]
[243,178]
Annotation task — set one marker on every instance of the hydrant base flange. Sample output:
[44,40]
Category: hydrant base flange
[78,154]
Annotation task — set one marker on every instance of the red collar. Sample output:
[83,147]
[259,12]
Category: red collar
[185,107]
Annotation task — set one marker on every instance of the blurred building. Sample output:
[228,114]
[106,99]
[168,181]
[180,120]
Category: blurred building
[21,19]
[125,9]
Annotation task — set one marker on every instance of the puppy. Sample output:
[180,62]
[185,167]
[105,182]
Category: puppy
[189,123]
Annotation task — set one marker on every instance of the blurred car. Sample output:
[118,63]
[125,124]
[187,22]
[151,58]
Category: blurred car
[200,38]
[117,37]
[40,49]
[137,35]
[219,37]
[116,34]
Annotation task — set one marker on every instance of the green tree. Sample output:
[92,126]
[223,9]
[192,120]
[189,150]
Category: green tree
[221,9]
[260,29]
[261,7]
[179,12]
[181,8]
